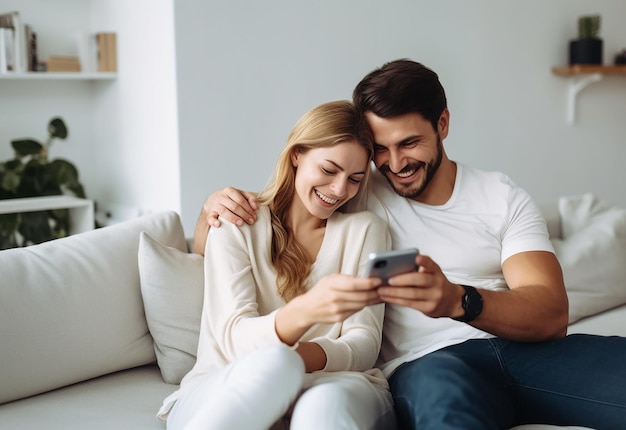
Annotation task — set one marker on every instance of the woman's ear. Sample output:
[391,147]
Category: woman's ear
[295,156]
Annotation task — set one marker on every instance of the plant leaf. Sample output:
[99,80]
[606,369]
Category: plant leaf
[57,128]
[10,181]
[31,184]
[24,147]
[10,177]
[9,222]
[35,227]
[61,219]
[63,173]
[78,190]
[8,227]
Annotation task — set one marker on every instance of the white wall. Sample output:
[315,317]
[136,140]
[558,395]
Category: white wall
[243,72]
[123,133]
[247,70]
[136,120]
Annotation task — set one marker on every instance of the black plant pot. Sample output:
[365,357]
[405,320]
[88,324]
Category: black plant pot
[585,51]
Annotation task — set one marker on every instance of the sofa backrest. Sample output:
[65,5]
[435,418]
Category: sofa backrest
[71,309]
[553,220]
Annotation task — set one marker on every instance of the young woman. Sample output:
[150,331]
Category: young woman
[290,333]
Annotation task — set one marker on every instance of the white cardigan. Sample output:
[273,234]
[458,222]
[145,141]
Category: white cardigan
[241,299]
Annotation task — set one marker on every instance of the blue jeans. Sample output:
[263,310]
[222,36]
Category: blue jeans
[497,384]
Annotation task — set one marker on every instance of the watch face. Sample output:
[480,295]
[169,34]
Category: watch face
[472,304]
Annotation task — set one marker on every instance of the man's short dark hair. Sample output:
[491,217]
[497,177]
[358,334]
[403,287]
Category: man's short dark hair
[399,87]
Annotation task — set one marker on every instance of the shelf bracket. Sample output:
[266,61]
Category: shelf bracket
[576,85]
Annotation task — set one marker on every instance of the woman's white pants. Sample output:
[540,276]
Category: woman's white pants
[265,390]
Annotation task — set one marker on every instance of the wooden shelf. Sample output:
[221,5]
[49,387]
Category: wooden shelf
[78,76]
[581,76]
[582,69]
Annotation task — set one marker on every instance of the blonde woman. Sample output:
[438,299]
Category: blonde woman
[290,332]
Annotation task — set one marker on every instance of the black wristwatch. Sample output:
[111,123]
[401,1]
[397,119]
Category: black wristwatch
[472,303]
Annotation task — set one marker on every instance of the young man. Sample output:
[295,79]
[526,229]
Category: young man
[476,338]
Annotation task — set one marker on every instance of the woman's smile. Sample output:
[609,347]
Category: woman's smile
[325,199]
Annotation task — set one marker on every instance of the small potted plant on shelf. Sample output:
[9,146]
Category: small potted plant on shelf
[31,174]
[587,49]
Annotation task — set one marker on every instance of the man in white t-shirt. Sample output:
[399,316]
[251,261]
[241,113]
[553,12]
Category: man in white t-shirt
[475,339]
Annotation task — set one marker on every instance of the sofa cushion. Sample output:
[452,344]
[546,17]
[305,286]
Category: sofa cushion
[71,309]
[125,400]
[592,254]
[172,289]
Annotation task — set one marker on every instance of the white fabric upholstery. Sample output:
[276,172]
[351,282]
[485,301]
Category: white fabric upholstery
[125,400]
[71,309]
[172,286]
[607,323]
[592,255]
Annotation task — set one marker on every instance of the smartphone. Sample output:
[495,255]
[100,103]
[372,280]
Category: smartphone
[385,265]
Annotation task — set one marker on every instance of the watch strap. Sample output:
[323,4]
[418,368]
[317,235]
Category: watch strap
[472,303]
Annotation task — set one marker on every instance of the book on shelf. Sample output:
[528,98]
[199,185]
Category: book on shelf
[13,32]
[17,44]
[31,48]
[97,52]
[6,50]
[107,51]
[58,63]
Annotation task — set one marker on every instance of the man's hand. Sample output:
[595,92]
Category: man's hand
[533,308]
[427,290]
[231,204]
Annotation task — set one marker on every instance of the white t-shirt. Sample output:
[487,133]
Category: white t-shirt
[486,220]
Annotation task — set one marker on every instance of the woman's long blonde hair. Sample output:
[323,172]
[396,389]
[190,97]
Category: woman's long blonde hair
[325,125]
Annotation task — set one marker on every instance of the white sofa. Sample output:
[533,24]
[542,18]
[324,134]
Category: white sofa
[92,324]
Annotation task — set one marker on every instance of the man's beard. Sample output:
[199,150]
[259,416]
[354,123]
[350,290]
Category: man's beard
[413,190]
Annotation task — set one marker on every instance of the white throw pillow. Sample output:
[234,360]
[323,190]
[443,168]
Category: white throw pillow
[592,254]
[172,284]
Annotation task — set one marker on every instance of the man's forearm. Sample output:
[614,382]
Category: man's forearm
[526,314]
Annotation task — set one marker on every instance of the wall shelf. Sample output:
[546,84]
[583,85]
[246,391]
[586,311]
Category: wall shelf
[81,210]
[78,76]
[581,76]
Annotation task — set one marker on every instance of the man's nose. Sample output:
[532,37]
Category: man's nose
[396,161]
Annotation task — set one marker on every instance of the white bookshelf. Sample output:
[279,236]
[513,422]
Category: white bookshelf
[111,116]
[81,210]
[78,76]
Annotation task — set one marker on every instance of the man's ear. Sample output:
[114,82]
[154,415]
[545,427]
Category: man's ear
[443,123]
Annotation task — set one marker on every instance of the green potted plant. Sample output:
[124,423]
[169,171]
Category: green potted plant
[31,174]
[587,49]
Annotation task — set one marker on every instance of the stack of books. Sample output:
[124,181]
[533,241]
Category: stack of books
[57,63]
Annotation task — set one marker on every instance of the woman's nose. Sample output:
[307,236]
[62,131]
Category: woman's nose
[339,187]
